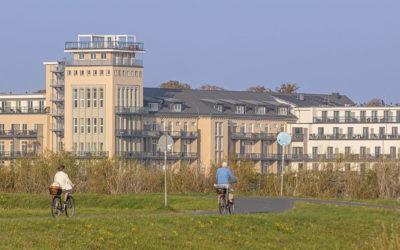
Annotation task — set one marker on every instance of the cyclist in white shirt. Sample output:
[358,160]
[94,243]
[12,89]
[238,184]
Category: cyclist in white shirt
[62,180]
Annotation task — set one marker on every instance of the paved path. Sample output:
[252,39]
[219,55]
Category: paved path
[243,205]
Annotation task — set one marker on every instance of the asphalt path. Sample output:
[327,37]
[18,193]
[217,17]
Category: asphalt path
[243,205]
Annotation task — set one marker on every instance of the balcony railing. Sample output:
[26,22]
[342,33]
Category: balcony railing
[358,119]
[353,157]
[24,110]
[271,157]
[8,155]
[298,137]
[89,154]
[57,84]
[132,62]
[155,134]
[18,133]
[56,98]
[354,137]
[158,155]
[253,136]
[131,110]
[130,46]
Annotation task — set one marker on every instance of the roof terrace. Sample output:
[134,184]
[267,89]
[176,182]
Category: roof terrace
[105,42]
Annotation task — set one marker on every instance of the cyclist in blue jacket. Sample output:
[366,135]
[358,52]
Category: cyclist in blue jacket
[223,175]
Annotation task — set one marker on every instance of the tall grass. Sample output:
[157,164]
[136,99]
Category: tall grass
[113,176]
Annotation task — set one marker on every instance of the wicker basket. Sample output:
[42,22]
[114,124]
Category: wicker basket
[55,190]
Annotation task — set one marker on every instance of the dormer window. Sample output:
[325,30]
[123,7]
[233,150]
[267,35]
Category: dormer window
[261,110]
[219,107]
[239,109]
[176,107]
[282,111]
[153,106]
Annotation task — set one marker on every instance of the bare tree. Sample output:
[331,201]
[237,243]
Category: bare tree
[174,85]
[41,91]
[260,89]
[375,103]
[211,87]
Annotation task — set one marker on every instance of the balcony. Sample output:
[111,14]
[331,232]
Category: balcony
[131,62]
[158,155]
[357,119]
[89,154]
[155,134]
[354,137]
[9,155]
[57,84]
[353,157]
[87,45]
[18,133]
[131,110]
[57,98]
[271,157]
[253,136]
[24,110]
[298,137]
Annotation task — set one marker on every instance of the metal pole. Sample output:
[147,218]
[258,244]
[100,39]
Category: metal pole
[282,170]
[165,171]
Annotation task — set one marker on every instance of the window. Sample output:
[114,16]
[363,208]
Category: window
[101,72]
[69,72]
[347,150]
[82,72]
[282,127]
[103,55]
[123,72]
[394,132]
[398,116]
[75,125]
[88,125]
[88,147]
[82,126]
[94,72]
[2,128]
[82,98]
[176,107]
[81,147]
[88,97]
[266,127]
[363,116]
[324,116]
[393,152]
[162,126]
[75,91]
[363,151]
[219,107]
[24,146]
[377,151]
[81,56]
[101,146]
[75,72]
[335,133]
[94,98]
[140,74]
[108,72]
[94,125]
[282,111]
[101,126]
[347,116]
[330,152]
[92,56]
[365,132]
[261,110]
[94,147]
[178,123]
[239,109]
[336,116]
[374,116]
[169,126]
[350,133]
[154,126]
[219,133]
[153,106]
[101,97]
[88,72]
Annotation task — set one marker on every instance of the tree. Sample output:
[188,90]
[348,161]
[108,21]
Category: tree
[211,87]
[174,85]
[375,103]
[260,89]
[41,91]
[287,88]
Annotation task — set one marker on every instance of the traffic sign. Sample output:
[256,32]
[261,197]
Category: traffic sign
[165,143]
[284,138]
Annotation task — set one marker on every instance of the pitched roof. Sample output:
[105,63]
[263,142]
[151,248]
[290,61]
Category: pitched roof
[315,100]
[202,102]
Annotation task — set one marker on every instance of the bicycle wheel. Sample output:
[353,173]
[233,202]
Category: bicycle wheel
[70,207]
[231,207]
[56,206]
[221,205]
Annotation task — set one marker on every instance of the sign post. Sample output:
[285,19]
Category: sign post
[284,139]
[165,144]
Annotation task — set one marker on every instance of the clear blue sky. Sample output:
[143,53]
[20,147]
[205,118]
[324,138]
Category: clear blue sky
[350,46]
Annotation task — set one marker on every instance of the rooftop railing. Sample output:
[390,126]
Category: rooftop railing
[155,134]
[130,46]
[357,119]
[132,62]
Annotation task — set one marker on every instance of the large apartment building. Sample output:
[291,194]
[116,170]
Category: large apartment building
[95,106]
[338,131]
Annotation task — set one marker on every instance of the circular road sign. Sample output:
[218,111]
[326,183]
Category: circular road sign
[284,138]
[165,143]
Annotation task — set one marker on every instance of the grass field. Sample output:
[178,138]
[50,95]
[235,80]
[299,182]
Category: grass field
[306,226]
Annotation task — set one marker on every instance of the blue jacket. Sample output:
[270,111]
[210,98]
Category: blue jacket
[223,175]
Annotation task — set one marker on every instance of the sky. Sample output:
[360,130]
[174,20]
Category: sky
[324,46]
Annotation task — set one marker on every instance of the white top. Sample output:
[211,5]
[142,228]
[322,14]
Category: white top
[61,179]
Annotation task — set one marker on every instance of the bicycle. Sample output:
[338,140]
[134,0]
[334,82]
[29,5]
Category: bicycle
[224,204]
[57,207]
